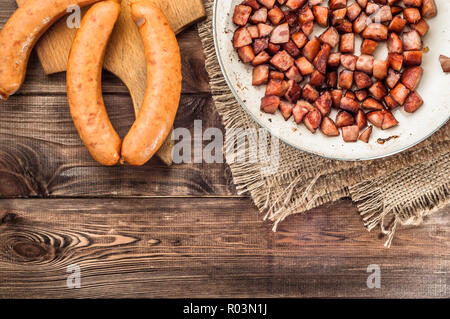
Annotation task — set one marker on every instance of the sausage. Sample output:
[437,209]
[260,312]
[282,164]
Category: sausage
[445,63]
[84,71]
[241,15]
[163,89]
[20,34]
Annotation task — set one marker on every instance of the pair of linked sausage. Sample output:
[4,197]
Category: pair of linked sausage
[20,34]
[163,88]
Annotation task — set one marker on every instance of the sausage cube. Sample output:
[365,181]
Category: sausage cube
[360,24]
[395,61]
[330,36]
[346,79]
[400,93]
[275,15]
[380,69]
[294,74]
[360,119]
[328,127]
[348,61]
[260,75]
[311,49]
[295,4]
[411,77]
[300,39]
[332,79]
[343,118]
[282,61]
[334,60]
[309,93]
[390,102]
[365,136]
[362,80]
[336,96]
[412,15]
[286,109]
[321,60]
[270,104]
[375,31]
[412,58]
[394,43]
[388,121]
[392,78]
[378,90]
[246,54]
[397,24]
[421,27]
[365,63]
[292,49]
[412,41]
[276,75]
[242,38]
[347,43]
[260,45]
[337,4]
[413,102]
[323,103]
[280,34]
[349,104]
[313,120]
[368,46]
[321,15]
[241,14]
[317,78]
[350,134]
[305,15]
[299,112]
[293,92]
[264,30]
[261,58]
[260,16]
[429,9]
[267,3]
[304,66]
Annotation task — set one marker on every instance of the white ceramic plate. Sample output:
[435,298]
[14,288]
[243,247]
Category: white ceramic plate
[414,128]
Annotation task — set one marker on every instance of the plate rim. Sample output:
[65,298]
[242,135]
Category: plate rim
[266,127]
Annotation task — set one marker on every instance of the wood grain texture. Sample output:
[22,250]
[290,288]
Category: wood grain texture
[164,248]
[42,155]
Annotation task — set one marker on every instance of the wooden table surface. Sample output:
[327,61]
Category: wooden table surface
[181,231]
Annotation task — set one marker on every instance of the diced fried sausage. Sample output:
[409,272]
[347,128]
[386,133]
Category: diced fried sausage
[314,2]
[360,119]
[241,14]
[360,24]
[350,133]
[260,75]
[412,41]
[411,15]
[295,4]
[413,102]
[397,24]
[382,15]
[362,80]
[309,93]
[304,66]
[390,102]
[277,87]
[412,58]
[353,11]
[330,36]
[411,77]
[372,104]
[392,78]
[334,60]
[337,4]
[300,112]
[376,118]
[294,74]
[429,9]
[311,49]
[365,136]
[350,95]
[422,27]
[270,104]
[273,48]
[308,28]
[344,118]
[291,18]
[292,49]
[388,121]
[316,79]
[371,8]
[338,16]
[323,103]
[276,75]
[264,29]
[378,90]
[395,61]
[300,39]
[396,9]
[293,92]
[260,16]
[394,43]
[246,54]
[346,79]
[445,63]
[336,96]
[412,3]
[305,15]
[282,61]
[368,46]
[365,63]
[361,95]
[260,45]
[347,43]
[261,58]
[321,15]
[286,109]
[242,38]
[362,3]
[252,3]
[400,93]
[350,105]
[313,120]
[375,31]
[253,30]
[348,61]
[328,127]
[280,34]
[321,59]
[332,79]
[380,69]
[275,15]
[267,3]
[345,27]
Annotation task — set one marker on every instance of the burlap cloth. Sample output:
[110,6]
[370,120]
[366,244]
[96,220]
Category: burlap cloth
[397,190]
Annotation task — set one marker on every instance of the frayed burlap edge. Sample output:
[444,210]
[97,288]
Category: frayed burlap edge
[298,189]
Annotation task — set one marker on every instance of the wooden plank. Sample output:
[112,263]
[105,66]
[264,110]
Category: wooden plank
[164,248]
[42,155]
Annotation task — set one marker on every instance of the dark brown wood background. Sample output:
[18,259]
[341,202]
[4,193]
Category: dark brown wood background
[181,231]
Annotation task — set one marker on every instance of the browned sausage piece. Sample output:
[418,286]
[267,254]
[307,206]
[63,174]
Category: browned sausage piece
[330,36]
[347,43]
[323,103]
[429,9]
[412,15]
[388,121]
[350,105]
[360,24]
[376,118]
[321,15]
[380,69]
[163,88]
[346,79]
[286,109]
[313,120]
[365,136]
[413,102]
[394,43]
[397,24]
[353,11]
[368,46]
[362,80]
[280,34]
[328,127]
[282,61]
[400,93]
[392,78]
[311,49]
[275,15]
[309,93]
[304,66]
[19,35]
[321,59]
[412,41]
[375,31]
[365,63]
[270,104]
[242,14]
[350,134]
[260,75]
[84,75]
[348,61]
[344,118]
[412,58]
[445,63]
[260,16]
[242,38]
[267,3]
[411,77]
[337,4]
[360,119]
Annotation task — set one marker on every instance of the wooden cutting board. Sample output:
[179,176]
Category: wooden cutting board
[125,55]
